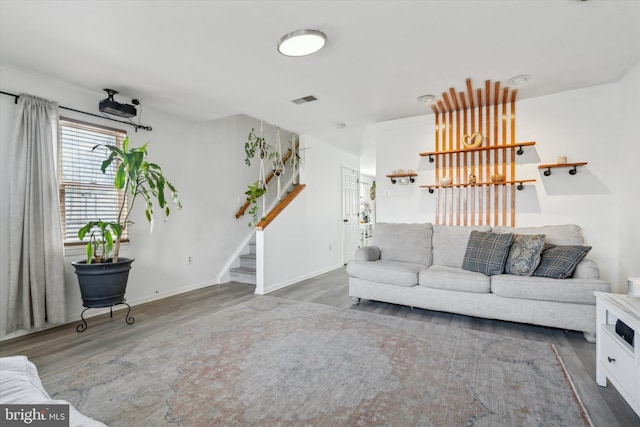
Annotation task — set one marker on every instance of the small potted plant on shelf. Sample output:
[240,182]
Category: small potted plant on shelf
[103,275]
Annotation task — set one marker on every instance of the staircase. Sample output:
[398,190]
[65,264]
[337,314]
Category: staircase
[246,273]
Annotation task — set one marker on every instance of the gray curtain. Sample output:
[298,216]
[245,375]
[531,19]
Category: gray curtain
[36,292]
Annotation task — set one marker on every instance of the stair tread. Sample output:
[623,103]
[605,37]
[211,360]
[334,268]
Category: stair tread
[252,256]
[243,270]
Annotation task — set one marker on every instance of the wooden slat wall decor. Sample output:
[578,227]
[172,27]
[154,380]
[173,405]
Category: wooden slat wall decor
[490,111]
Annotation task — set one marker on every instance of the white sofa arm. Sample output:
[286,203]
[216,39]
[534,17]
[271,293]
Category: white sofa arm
[367,253]
[586,269]
[20,384]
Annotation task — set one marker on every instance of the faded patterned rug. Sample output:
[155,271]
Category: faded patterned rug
[274,362]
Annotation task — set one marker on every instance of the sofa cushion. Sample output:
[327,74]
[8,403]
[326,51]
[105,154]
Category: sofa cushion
[559,261]
[577,291]
[404,242]
[454,279]
[391,272]
[450,243]
[487,252]
[524,255]
[568,234]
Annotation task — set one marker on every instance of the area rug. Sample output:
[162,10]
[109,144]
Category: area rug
[274,362]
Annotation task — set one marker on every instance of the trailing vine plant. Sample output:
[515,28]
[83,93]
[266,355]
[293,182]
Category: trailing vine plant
[256,145]
[255,191]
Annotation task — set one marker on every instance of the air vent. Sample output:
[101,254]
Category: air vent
[304,99]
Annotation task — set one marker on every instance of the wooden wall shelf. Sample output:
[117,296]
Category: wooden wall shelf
[459,117]
[520,151]
[572,171]
[394,177]
[520,185]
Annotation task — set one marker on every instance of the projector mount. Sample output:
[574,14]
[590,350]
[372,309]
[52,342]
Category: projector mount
[113,107]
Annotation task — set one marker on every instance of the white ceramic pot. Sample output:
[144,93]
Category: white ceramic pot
[633,287]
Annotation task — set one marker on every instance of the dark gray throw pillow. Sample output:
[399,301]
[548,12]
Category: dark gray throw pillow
[487,252]
[559,262]
[524,255]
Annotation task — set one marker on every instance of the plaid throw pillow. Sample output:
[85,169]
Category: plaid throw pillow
[559,262]
[487,252]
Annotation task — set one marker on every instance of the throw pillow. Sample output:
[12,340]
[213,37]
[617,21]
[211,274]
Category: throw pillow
[524,255]
[487,252]
[559,262]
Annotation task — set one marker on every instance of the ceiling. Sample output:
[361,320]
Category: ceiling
[203,60]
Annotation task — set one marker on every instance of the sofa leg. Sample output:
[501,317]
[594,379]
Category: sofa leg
[355,300]
[590,336]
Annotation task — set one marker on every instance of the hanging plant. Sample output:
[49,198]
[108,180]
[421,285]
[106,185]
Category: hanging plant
[277,165]
[255,191]
[255,144]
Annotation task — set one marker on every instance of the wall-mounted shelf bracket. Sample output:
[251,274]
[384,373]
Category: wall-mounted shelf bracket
[411,179]
[520,150]
[402,178]
[573,167]
[518,183]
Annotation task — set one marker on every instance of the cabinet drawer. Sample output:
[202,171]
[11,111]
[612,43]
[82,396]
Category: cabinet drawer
[619,362]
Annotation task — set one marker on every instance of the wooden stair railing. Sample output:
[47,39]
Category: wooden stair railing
[269,177]
[280,206]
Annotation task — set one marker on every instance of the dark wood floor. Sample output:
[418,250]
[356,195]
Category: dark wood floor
[62,346]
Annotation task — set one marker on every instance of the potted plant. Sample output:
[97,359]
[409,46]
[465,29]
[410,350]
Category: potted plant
[103,275]
[255,144]
[254,192]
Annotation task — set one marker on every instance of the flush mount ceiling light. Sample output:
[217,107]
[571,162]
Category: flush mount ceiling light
[301,42]
[426,98]
[519,80]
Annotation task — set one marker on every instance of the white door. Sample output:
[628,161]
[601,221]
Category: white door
[350,215]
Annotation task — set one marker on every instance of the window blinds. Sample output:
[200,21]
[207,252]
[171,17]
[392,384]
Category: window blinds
[86,193]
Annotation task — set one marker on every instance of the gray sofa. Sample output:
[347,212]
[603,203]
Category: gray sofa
[420,265]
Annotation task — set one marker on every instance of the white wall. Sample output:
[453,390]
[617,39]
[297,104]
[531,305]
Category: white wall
[156,272]
[398,143]
[581,124]
[306,238]
[205,162]
[216,160]
[627,168]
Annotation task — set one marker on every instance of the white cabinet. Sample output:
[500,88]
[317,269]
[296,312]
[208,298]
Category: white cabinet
[617,360]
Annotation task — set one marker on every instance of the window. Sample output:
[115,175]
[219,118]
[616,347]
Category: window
[85,192]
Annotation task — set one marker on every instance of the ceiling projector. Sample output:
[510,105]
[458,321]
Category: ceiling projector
[110,106]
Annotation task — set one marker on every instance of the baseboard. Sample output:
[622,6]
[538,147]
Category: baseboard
[137,301]
[298,279]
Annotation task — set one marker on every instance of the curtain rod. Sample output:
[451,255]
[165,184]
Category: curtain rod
[147,128]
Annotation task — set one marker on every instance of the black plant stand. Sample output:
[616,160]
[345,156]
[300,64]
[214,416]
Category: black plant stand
[129,319]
